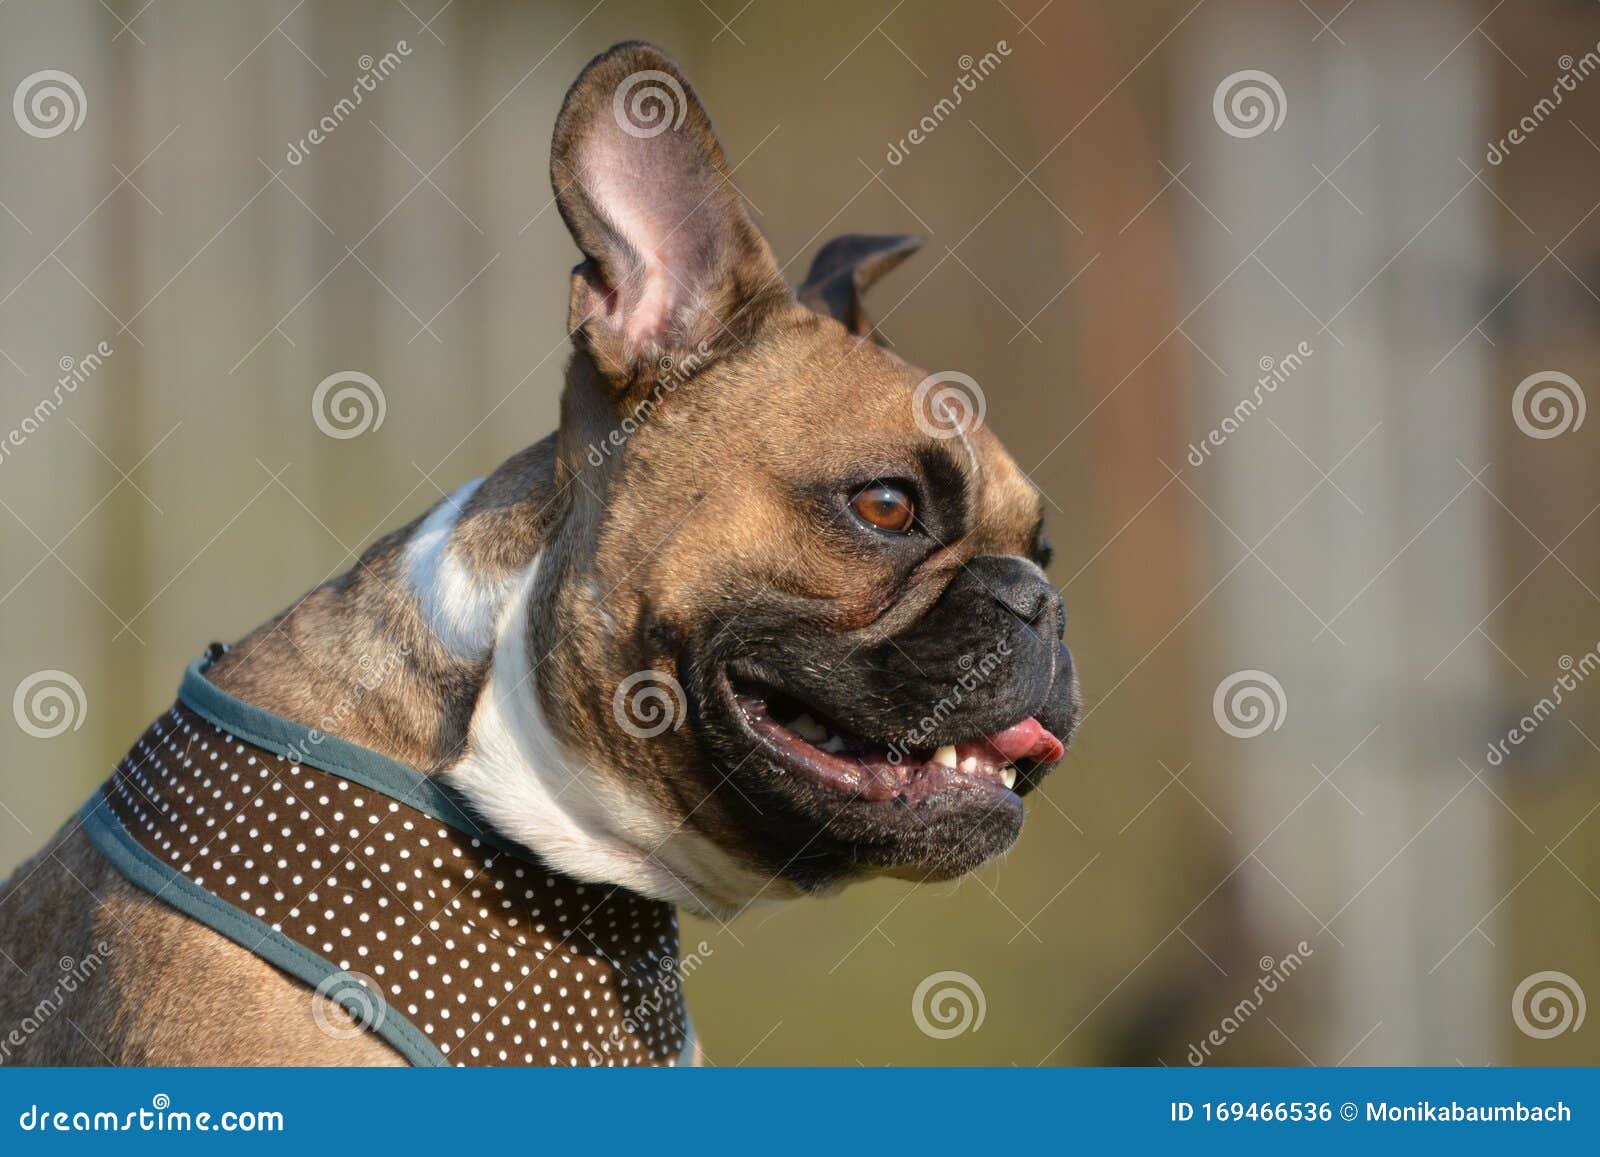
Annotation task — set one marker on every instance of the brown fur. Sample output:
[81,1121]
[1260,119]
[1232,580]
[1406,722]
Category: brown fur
[303,661]
[166,991]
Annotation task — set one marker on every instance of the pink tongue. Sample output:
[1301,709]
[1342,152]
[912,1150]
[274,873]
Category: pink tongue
[1026,740]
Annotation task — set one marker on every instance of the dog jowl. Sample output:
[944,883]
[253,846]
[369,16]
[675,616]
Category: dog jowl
[834,596]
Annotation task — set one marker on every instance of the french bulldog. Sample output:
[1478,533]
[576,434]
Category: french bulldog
[764,616]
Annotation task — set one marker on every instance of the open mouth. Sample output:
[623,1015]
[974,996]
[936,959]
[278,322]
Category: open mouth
[801,739]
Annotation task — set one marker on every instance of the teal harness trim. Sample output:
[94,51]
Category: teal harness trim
[307,745]
[387,777]
[171,886]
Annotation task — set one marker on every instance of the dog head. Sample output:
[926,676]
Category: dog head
[796,599]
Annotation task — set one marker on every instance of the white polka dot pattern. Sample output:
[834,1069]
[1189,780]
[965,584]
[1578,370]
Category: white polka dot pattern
[495,959]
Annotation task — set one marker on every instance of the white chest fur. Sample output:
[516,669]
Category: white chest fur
[585,820]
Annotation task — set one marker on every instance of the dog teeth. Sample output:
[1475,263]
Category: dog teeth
[1008,776]
[833,746]
[945,756]
[970,763]
[809,729]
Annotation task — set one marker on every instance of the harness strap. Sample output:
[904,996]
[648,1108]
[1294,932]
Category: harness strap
[107,829]
[172,887]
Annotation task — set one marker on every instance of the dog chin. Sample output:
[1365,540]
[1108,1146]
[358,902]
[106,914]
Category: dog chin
[827,804]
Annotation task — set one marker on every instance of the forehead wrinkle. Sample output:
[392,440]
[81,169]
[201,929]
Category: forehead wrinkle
[1010,505]
[972,455]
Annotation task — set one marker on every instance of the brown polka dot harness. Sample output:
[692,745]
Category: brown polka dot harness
[372,883]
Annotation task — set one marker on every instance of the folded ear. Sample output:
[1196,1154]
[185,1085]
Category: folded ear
[846,267]
[673,261]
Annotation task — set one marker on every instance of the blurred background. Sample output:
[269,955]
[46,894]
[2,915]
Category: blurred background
[1309,615]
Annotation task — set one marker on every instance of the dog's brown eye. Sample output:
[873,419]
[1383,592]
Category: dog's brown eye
[886,508]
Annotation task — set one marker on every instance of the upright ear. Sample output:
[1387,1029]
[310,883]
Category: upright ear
[673,264]
[846,267]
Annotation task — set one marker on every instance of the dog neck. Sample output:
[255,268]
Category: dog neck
[394,653]
[424,652]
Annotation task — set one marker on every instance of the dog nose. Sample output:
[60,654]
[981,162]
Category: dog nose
[1021,587]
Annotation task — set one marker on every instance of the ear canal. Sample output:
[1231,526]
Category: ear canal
[673,264]
[846,267]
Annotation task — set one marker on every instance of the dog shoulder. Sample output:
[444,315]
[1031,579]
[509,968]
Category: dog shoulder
[112,976]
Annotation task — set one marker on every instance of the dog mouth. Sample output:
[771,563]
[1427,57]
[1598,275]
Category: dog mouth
[802,740]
